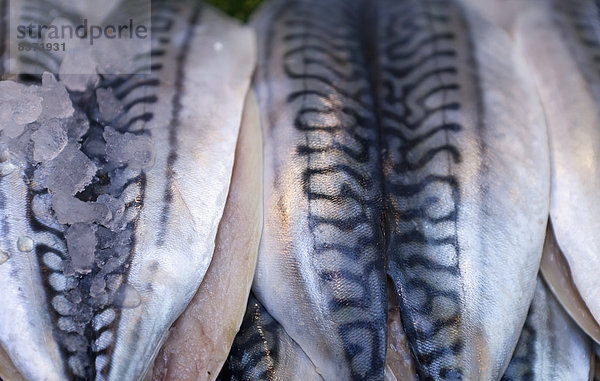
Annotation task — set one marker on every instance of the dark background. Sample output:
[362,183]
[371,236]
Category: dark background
[240,9]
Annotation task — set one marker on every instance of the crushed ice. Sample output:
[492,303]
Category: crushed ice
[79,173]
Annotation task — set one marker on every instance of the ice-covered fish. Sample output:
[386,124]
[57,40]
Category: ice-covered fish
[264,351]
[113,196]
[467,180]
[561,41]
[200,340]
[320,270]
[551,346]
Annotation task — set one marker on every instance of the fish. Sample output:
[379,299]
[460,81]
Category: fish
[551,346]
[141,166]
[320,272]
[555,271]
[3,35]
[558,38]
[264,351]
[200,340]
[417,122]
[466,168]
[502,13]
[32,13]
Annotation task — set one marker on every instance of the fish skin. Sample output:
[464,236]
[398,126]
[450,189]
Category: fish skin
[36,12]
[467,179]
[201,176]
[559,38]
[557,275]
[551,346]
[25,329]
[200,340]
[165,270]
[26,338]
[27,347]
[264,351]
[320,270]
[502,13]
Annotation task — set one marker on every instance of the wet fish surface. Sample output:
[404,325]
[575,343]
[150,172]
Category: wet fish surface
[551,346]
[200,340]
[113,196]
[264,351]
[320,270]
[467,180]
[555,271]
[390,129]
[558,38]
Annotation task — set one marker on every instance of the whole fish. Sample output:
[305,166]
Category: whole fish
[113,196]
[200,340]
[561,41]
[320,270]
[264,351]
[551,347]
[466,169]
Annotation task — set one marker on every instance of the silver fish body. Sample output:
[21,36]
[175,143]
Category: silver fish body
[467,182]
[560,40]
[436,98]
[551,346]
[106,320]
[200,340]
[320,271]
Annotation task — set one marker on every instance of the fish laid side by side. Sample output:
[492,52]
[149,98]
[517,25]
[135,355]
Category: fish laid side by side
[551,347]
[561,42]
[415,119]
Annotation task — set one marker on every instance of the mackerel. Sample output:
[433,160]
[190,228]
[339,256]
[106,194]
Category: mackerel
[103,249]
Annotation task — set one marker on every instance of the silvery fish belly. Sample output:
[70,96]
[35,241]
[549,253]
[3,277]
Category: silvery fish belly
[551,346]
[466,169]
[112,197]
[561,41]
[200,340]
[320,271]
